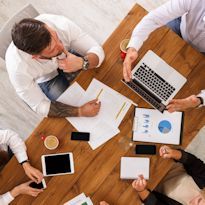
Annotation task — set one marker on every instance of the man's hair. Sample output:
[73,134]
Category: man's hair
[31,36]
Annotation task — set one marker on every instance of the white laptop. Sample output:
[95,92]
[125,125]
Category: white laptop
[131,167]
[155,81]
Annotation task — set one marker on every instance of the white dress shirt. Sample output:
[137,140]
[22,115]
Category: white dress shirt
[25,73]
[192,25]
[17,145]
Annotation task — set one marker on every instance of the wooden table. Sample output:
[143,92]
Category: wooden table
[97,172]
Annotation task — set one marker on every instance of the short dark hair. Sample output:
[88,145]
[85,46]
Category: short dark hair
[31,36]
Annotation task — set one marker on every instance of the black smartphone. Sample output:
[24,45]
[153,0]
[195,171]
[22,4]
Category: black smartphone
[41,185]
[145,149]
[85,136]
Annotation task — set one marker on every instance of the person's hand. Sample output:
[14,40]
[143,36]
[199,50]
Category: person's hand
[103,203]
[139,184]
[71,63]
[90,109]
[183,104]
[130,58]
[33,173]
[25,189]
[169,153]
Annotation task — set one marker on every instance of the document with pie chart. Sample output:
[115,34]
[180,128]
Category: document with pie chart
[150,125]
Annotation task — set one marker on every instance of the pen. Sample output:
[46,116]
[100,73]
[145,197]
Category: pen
[120,110]
[99,94]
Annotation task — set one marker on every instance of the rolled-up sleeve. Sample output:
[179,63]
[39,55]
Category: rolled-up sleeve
[16,144]
[30,93]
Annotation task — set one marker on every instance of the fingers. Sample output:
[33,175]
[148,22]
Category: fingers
[34,192]
[127,71]
[38,176]
[165,152]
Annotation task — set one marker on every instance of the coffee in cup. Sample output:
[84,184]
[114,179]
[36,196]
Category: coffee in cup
[123,48]
[51,142]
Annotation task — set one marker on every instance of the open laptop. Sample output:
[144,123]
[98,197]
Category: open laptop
[155,81]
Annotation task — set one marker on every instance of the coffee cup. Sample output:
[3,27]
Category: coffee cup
[123,48]
[51,142]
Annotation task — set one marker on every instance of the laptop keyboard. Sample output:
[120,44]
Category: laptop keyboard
[146,94]
[154,82]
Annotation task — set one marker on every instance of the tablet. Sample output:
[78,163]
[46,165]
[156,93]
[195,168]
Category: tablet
[57,164]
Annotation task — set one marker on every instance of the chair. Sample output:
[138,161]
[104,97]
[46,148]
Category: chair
[5,33]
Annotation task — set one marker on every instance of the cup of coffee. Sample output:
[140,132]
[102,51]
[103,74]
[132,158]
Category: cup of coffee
[123,47]
[51,142]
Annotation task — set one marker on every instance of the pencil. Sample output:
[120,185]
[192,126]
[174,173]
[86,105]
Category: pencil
[120,110]
[99,93]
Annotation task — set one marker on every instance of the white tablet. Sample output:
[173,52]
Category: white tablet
[57,164]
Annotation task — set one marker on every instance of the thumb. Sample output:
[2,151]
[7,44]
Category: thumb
[66,52]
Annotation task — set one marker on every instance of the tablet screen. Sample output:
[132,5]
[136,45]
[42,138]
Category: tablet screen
[57,164]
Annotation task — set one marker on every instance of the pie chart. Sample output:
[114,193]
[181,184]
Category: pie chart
[164,126]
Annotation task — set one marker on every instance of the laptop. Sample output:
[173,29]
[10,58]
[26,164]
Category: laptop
[155,81]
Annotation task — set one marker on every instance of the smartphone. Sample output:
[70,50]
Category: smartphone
[85,136]
[145,149]
[41,185]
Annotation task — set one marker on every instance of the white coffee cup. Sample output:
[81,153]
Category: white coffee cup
[51,142]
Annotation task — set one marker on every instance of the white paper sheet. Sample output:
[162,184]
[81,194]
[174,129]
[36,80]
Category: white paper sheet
[153,126]
[104,126]
[73,95]
[80,200]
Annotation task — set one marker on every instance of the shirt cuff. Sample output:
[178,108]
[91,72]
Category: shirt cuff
[21,156]
[6,198]
[135,42]
[99,52]
[202,95]
[150,200]
[184,157]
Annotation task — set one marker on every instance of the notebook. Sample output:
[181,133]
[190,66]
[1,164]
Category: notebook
[131,167]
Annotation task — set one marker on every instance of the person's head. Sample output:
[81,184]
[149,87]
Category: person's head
[36,38]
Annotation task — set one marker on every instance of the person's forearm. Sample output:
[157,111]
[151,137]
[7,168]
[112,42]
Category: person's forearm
[14,192]
[58,109]
[93,60]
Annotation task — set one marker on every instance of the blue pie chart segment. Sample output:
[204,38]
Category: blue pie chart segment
[164,126]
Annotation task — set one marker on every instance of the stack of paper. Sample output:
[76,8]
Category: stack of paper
[104,126]
[132,167]
[80,200]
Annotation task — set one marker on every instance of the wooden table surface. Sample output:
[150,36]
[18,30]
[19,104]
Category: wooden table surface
[97,172]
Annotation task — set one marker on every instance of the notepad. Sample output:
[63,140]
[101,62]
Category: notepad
[132,167]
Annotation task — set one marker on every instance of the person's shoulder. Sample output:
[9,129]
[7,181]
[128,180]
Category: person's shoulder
[52,18]
[15,59]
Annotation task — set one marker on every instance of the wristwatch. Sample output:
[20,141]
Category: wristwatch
[86,64]
[201,101]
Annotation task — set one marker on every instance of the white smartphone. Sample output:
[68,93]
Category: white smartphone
[57,164]
[41,185]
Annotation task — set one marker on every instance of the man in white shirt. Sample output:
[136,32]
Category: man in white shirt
[187,19]
[10,139]
[41,68]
